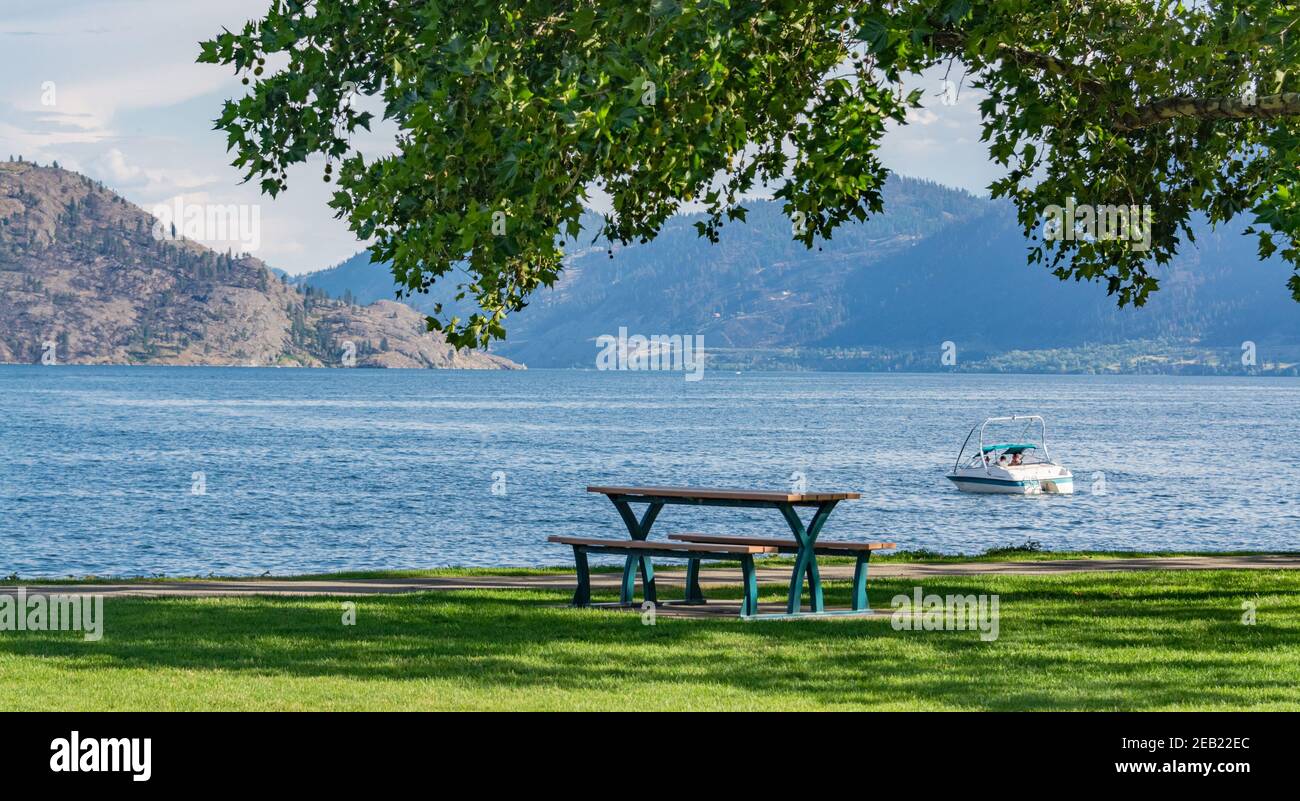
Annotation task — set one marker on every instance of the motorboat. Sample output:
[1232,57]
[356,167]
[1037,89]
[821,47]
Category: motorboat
[1019,467]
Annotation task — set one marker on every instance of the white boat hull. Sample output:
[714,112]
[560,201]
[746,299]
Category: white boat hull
[1014,482]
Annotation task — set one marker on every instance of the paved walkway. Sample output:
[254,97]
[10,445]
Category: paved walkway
[715,577]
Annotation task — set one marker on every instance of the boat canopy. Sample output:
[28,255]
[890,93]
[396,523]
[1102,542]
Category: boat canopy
[1011,447]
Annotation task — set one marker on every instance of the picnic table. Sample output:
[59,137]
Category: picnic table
[804,545]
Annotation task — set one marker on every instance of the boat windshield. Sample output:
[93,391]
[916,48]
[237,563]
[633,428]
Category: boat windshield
[1009,454]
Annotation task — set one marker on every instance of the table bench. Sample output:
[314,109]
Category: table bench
[861,551]
[695,551]
[787,503]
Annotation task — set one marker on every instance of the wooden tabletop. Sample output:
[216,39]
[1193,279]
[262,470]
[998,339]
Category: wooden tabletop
[708,493]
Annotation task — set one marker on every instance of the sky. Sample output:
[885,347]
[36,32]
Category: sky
[110,88]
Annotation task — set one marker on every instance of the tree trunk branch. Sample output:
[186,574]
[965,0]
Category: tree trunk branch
[1211,108]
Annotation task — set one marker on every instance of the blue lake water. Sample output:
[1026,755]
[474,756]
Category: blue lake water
[322,470]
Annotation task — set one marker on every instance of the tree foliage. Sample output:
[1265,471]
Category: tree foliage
[510,112]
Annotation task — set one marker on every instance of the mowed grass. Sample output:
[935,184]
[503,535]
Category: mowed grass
[1151,640]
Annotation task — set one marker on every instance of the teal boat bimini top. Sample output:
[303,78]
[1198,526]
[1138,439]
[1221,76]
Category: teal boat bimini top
[1011,447]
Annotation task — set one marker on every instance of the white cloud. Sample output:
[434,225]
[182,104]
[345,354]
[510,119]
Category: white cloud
[113,166]
[151,182]
[921,116]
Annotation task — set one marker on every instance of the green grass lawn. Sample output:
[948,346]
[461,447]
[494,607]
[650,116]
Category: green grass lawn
[1151,640]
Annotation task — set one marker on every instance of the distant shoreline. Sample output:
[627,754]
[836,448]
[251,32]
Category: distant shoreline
[368,367]
[1287,371]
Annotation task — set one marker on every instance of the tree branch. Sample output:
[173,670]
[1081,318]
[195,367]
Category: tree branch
[1160,111]
[1211,108]
[956,43]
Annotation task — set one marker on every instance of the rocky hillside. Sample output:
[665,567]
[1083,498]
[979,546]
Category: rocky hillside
[83,277]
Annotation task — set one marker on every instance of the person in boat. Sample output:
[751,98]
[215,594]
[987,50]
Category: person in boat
[1017,459]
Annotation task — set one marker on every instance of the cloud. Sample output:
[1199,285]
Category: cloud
[94,102]
[44,143]
[114,170]
[112,57]
[921,116]
[113,166]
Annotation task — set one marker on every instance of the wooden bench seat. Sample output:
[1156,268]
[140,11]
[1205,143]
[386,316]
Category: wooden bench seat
[705,546]
[785,544]
[861,551]
[642,550]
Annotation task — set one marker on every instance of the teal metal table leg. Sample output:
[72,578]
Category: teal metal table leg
[806,560]
[639,530]
[814,579]
[749,606]
[815,600]
[860,582]
[648,580]
[794,598]
[582,595]
[629,581]
[693,593]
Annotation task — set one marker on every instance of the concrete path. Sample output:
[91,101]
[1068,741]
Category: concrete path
[711,577]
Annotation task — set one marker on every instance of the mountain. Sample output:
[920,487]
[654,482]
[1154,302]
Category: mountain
[360,279]
[973,284]
[940,265]
[84,280]
[738,293]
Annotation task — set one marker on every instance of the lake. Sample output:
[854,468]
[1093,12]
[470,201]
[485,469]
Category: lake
[129,471]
